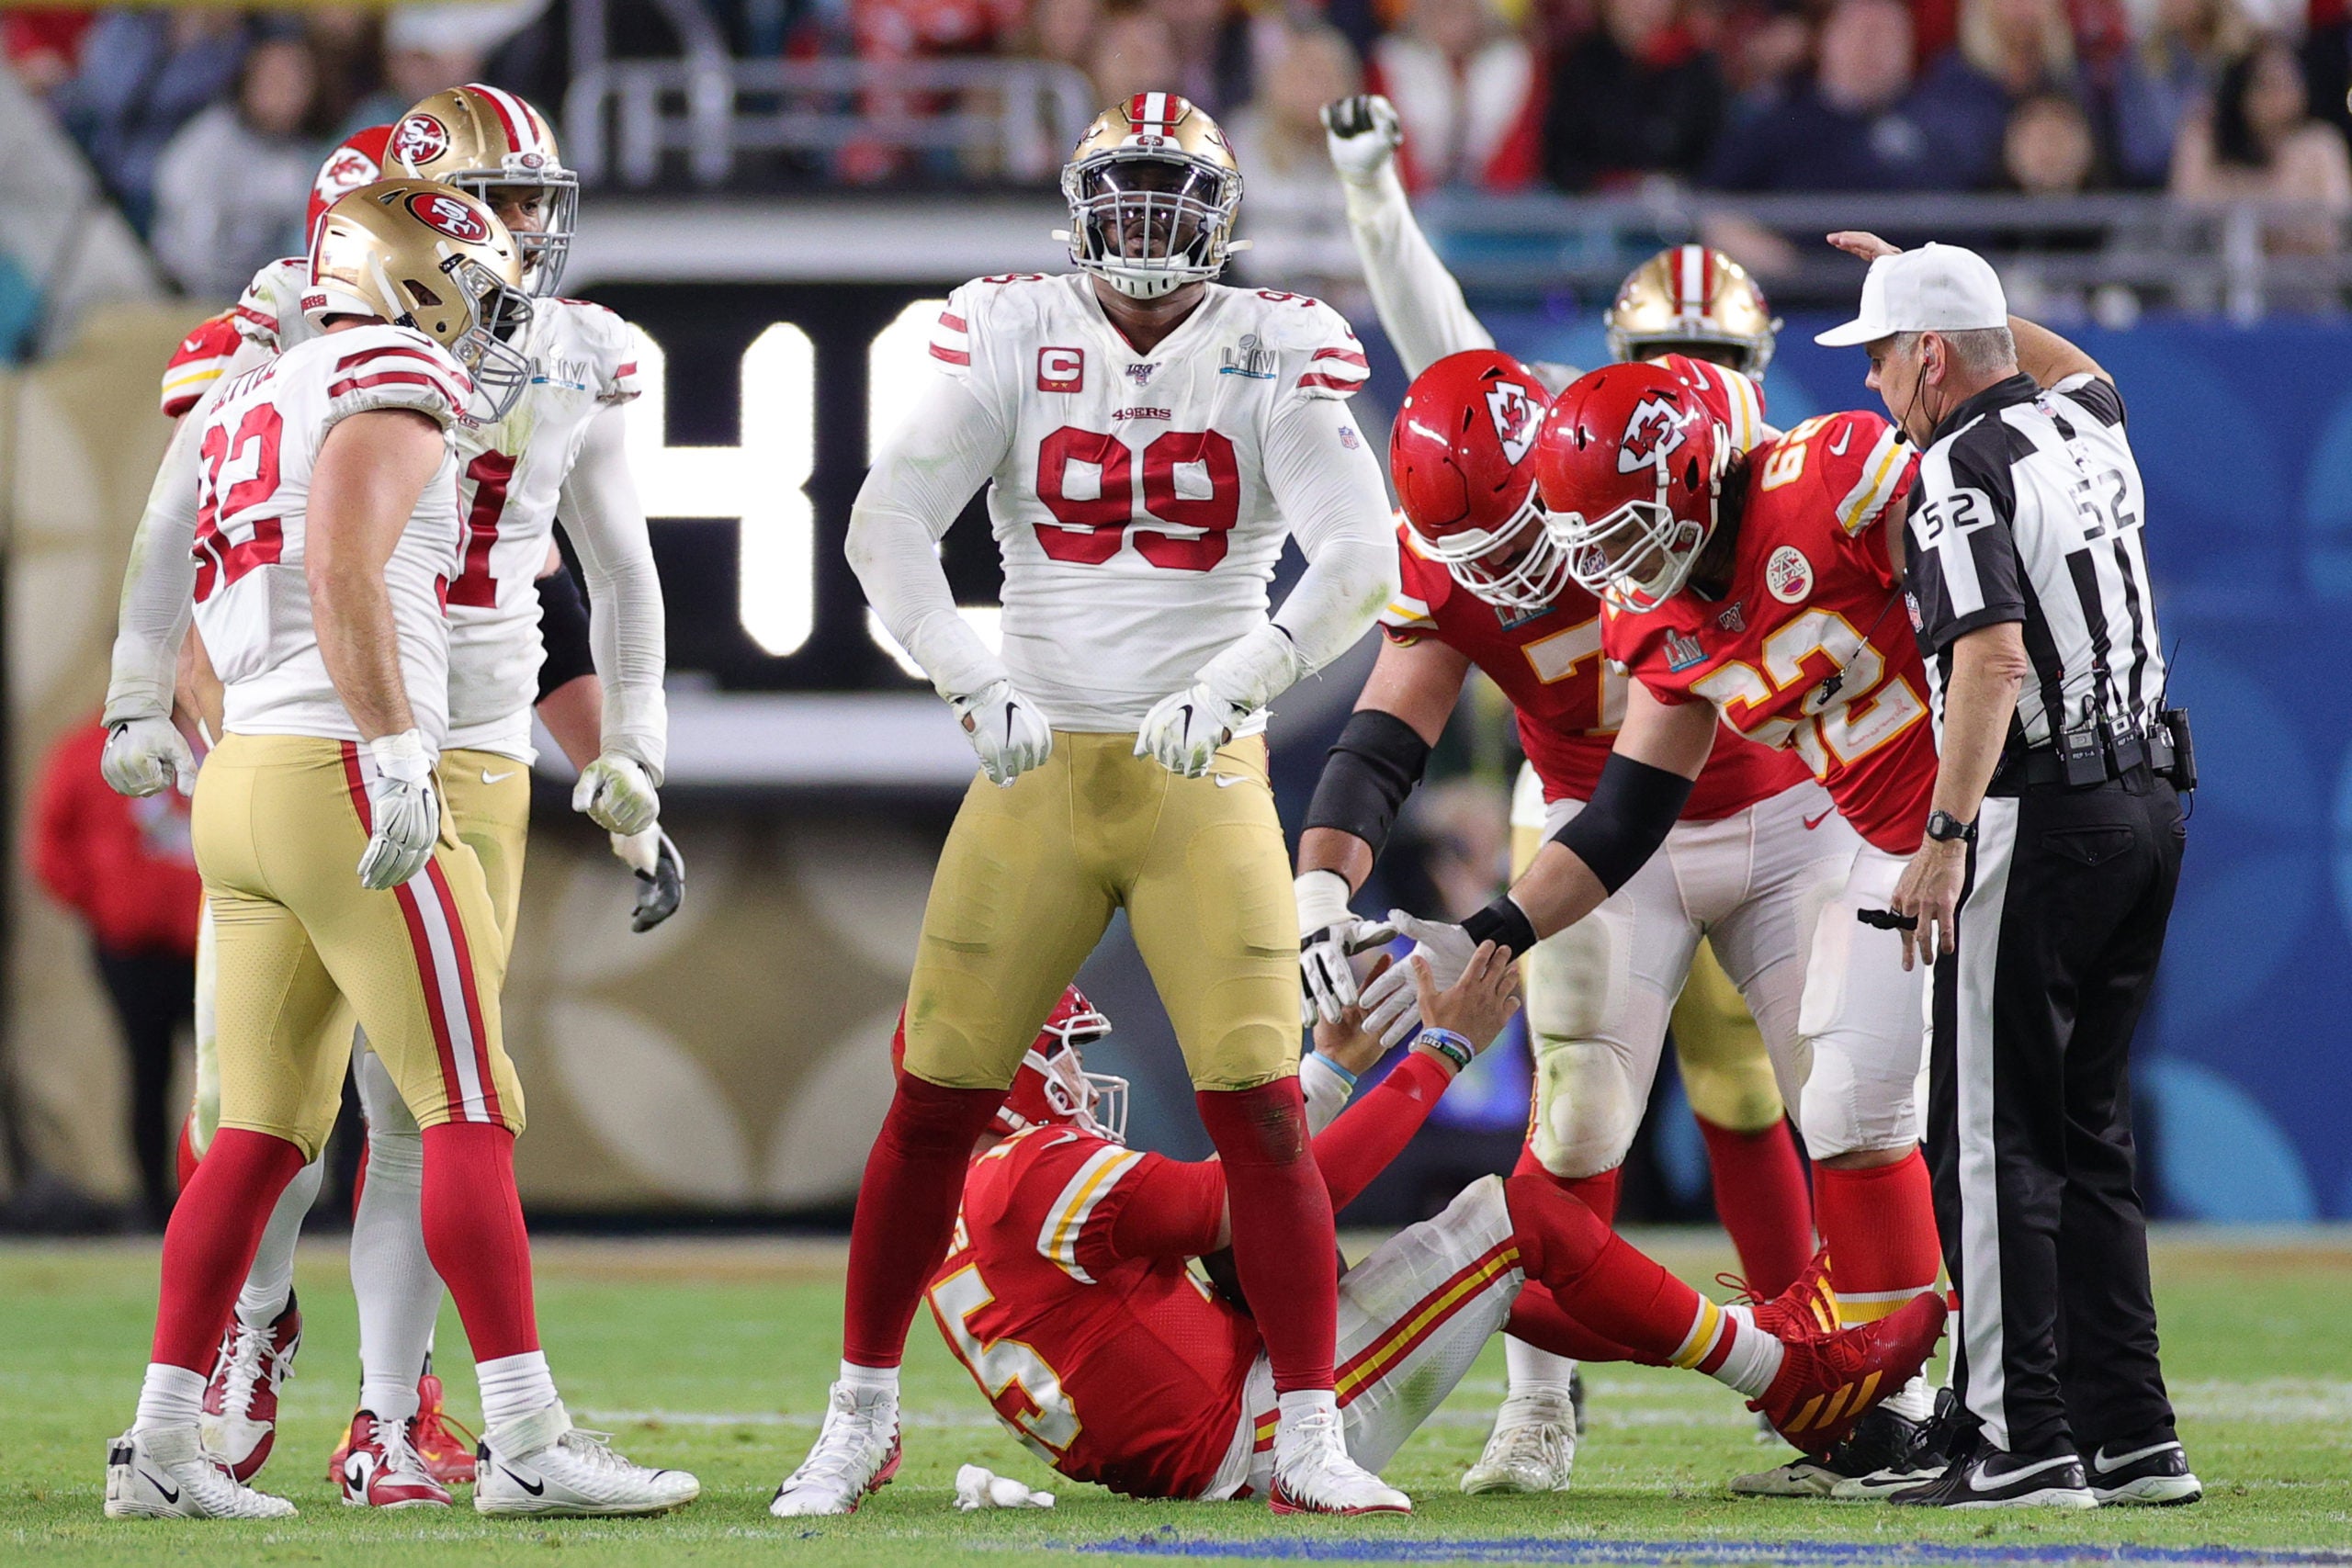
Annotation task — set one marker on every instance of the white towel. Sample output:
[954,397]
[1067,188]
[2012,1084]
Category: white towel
[977,1487]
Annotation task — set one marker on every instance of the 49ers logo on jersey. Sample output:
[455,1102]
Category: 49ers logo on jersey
[446,215]
[1513,413]
[1652,435]
[420,140]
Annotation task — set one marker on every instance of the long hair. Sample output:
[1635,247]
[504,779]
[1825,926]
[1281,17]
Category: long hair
[2233,138]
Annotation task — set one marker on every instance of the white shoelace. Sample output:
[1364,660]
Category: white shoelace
[251,1359]
[848,1435]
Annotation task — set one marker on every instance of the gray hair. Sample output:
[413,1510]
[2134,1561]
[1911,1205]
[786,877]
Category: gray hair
[1975,352]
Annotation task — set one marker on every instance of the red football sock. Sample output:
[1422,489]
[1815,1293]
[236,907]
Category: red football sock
[209,1244]
[1283,1241]
[1760,1197]
[906,1212]
[1538,1318]
[473,1233]
[183,1154]
[1880,1225]
[1599,1279]
[1598,1193]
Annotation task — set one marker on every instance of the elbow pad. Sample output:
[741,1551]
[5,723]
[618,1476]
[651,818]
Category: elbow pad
[1374,765]
[563,631]
[1632,810]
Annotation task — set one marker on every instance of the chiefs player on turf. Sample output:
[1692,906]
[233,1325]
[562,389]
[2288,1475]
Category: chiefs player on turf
[1150,438]
[1065,1291]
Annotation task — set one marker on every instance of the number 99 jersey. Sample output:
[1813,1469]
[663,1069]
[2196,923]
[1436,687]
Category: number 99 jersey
[1136,497]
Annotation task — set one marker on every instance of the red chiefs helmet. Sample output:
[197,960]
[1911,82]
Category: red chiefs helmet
[1459,454]
[358,162]
[1052,1086]
[1630,464]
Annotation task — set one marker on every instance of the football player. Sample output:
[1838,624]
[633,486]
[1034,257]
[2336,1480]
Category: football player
[1698,303]
[1065,1291]
[1150,438]
[329,532]
[560,444]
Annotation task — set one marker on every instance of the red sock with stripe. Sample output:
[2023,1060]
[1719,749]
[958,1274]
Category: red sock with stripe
[906,1212]
[1597,1192]
[1283,1240]
[474,1234]
[1761,1199]
[1880,1225]
[209,1244]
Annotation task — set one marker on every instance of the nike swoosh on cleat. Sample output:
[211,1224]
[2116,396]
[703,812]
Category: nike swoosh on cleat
[537,1489]
[1978,1477]
[2106,1466]
[490,778]
[1813,822]
[171,1494]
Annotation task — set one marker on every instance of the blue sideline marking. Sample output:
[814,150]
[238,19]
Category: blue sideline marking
[1829,1554]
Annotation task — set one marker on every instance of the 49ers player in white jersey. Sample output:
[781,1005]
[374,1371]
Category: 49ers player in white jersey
[558,443]
[1148,439]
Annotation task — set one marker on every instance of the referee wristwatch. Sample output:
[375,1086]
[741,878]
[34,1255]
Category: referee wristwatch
[1944,828]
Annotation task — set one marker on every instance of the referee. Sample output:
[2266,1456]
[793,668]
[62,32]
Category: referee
[2041,893]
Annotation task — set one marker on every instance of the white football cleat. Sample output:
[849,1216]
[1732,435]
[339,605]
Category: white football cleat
[856,1454]
[542,1465]
[1313,1473]
[165,1474]
[1531,1448]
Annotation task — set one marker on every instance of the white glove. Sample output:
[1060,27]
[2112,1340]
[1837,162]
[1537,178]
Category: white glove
[617,793]
[1011,733]
[1363,134]
[1182,732]
[1330,934]
[144,755]
[1393,1011]
[405,806]
[976,1488]
[661,875]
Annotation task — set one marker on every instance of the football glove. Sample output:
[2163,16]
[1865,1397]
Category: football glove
[1391,1010]
[1182,731]
[1363,134]
[661,875]
[1330,934]
[1010,732]
[146,755]
[404,808]
[617,793]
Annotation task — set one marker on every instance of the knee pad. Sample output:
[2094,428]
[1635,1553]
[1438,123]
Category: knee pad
[1587,1108]
[1577,979]
[1851,1104]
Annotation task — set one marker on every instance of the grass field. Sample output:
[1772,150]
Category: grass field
[715,1357]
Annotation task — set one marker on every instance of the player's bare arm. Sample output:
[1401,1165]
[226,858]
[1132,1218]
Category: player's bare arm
[1988,670]
[1417,683]
[371,471]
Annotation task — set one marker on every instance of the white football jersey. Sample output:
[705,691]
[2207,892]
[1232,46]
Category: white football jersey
[508,477]
[261,436]
[1130,502]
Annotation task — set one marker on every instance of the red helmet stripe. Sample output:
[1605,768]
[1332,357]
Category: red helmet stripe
[517,135]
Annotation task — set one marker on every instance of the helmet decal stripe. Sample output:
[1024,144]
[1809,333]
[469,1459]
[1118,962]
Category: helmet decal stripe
[512,117]
[1693,278]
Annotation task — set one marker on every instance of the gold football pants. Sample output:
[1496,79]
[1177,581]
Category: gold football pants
[1032,873]
[300,948]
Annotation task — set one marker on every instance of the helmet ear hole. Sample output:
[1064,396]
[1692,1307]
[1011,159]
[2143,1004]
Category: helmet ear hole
[421,293]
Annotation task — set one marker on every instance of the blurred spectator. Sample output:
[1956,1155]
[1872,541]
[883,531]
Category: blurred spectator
[889,31]
[143,75]
[2257,142]
[1635,96]
[43,47]
[232,187]
[2048,149]
[1062,29]
[1762,49]
[347,43]
[427,47]
[1294,215]
[1211,39]
[2008,50]
[1852,127]
[1132,51]
[126,868]
[1464,86]
[2178,57]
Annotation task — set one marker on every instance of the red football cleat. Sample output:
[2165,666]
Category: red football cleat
[1807,1310]
[241,1397]
[444,1444]
[380,1468]
[1828,1383]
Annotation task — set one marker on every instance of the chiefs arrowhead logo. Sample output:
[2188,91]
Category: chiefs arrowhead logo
[445,214]
[1513,413]
[419,140]
[1651,436]
[344,172]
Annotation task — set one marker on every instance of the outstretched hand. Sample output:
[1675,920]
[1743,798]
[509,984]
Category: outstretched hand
[1863,243]
[1478,1005]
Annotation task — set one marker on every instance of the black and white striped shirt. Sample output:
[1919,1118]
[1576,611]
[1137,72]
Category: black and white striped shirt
[2027,508]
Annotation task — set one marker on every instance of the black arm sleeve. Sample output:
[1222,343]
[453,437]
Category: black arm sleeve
[1632,810]
[563,629]
[1373,767]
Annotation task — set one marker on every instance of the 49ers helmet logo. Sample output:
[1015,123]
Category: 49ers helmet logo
[1652,435]
[1513,413]
[420,140]
[446,215]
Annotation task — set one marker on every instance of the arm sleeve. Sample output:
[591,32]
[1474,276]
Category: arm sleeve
[1419,304]
[627,631]
[945,450]
[151,618]
[1328,484]
[1376,1129]
[1171,1208]
[563,632]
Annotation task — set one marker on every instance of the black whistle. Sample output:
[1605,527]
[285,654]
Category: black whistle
[1887,920]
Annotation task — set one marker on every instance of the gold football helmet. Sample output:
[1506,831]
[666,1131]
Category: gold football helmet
[1695,301]
[1153,191]
[481,139]
[419,253]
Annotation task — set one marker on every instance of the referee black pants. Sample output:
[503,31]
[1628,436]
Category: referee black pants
[2030,1115]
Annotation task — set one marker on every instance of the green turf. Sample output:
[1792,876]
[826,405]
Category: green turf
[715,1357]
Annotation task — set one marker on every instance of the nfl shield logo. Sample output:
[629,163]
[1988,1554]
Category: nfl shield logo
[1140,373]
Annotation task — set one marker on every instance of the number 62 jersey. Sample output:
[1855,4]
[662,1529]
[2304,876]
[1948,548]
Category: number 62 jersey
[1139,498]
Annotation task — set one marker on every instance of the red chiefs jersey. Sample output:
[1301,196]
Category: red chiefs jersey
[1569,699]
[1127,1373]
[1810,649]
[197,362]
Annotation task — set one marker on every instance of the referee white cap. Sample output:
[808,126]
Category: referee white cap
[1936,288]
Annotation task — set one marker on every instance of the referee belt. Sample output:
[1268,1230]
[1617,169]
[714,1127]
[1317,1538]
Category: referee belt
[2044,767]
